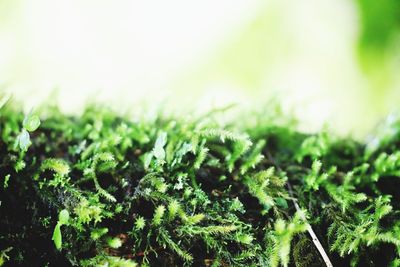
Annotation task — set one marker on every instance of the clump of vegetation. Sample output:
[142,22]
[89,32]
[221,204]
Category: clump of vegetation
[102,189]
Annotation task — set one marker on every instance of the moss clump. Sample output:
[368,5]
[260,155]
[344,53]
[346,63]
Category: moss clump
[102,189]
[305,254]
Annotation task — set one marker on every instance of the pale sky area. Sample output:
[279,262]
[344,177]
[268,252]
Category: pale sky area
[194,54]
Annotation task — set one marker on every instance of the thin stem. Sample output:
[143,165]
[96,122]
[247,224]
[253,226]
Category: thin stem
[311,232]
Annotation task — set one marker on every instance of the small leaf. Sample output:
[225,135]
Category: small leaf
[140,223]
[97,233]
[147,159]
[114,242]
[63,217]
[244,238]
[57,238]
[6,180]
[158,150]
[281,202]
[31,122]
[23,140]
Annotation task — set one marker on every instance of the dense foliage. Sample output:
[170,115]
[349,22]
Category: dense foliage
[102,189]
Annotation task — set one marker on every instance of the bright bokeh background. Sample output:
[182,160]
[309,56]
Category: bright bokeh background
[329,61]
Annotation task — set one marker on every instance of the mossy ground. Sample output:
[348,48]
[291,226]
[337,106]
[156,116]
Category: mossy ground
[101,189]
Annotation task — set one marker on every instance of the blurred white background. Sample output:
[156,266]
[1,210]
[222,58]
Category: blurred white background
[198,54]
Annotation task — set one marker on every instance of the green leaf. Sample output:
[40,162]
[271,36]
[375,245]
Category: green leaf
[147,159]
[114,242]
[63,217]
[23,140]
[281,202]
[158,150]
[31,122]
[99,232]
[6,180]
[57,238]
[140,223]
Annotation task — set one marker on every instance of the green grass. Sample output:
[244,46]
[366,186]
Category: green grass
[102,189]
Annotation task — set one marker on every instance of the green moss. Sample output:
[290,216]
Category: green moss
[172,191]
[305,254]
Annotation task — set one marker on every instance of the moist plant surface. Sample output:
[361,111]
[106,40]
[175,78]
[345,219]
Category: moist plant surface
[102,189]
